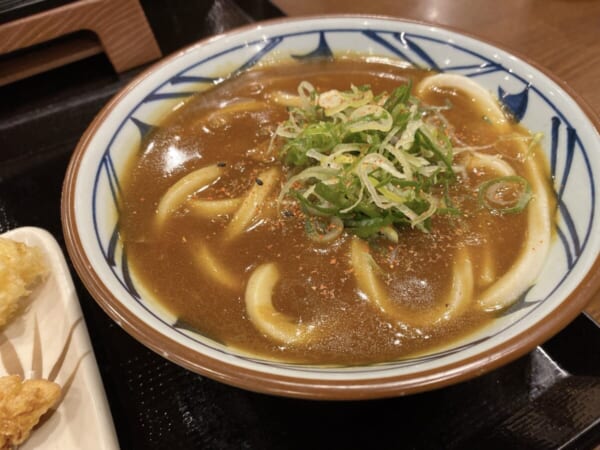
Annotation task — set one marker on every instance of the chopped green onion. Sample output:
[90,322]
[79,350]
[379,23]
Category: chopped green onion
[371,161]
[323,232]
[505,195]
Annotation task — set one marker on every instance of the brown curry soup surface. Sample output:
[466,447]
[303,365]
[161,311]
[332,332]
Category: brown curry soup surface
[317,285]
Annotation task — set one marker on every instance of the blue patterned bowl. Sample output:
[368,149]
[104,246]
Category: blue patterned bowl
[570,277]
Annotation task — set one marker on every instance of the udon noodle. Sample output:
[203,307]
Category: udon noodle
[251,217]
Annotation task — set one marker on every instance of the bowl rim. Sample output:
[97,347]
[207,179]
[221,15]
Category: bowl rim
[264,381]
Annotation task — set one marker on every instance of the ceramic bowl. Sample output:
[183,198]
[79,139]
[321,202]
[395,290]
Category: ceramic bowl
[571,275]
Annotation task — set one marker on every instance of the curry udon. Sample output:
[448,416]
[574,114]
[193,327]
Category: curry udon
[231,218]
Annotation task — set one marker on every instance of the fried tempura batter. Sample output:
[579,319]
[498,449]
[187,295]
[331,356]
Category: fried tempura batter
[21,267]
[22,403]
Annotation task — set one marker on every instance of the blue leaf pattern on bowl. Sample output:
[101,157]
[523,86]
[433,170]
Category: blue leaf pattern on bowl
[260,54]
[429,62]
[180,79]
[376,37]
[515,103]
[322,50]
[157,96]
[145,128]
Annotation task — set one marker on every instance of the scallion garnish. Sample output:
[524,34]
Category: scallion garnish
[372,162]
[505,195]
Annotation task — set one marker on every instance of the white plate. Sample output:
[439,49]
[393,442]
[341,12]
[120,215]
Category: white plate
[50,340]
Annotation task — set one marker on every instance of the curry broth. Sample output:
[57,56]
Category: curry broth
[317,284]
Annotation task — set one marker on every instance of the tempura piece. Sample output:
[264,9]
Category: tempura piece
[21,268]
[264,316]
[22,404]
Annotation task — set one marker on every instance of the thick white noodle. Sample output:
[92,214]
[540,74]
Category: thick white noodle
[487,269]
[483,99]
[532,257]
[178,193]
[460,294]
[495,164]
[526,269]
[233,108]
[492,163]
[259,306]
[206,261]
[212,208]
[286,99]
[256,197]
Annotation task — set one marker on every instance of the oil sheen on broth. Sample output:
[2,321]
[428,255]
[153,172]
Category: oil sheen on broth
[231,127]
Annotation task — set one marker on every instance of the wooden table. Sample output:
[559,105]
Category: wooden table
[560,35]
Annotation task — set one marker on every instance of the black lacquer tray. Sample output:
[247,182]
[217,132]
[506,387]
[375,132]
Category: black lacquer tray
[548,399]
